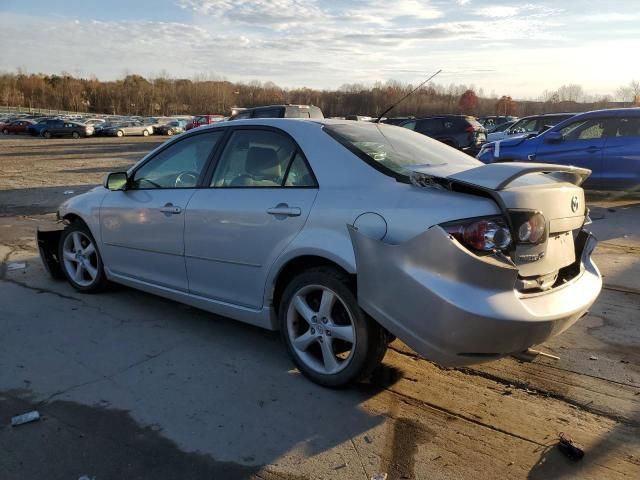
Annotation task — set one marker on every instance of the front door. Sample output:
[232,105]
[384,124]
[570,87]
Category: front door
[258,200]
[581,145]
[142,227]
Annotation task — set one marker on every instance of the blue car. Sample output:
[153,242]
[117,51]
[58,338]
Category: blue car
[605,141]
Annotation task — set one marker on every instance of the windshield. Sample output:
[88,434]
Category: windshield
[395,150]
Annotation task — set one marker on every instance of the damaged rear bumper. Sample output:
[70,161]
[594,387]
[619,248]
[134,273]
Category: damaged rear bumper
[456,308]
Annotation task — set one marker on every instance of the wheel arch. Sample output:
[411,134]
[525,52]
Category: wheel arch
[298,264]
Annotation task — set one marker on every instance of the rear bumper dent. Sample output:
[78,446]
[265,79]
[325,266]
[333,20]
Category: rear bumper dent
[456,308]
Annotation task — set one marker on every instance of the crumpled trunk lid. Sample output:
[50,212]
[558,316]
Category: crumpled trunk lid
[553,190]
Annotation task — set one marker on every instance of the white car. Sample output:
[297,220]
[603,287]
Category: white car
[342,235]
[529,126]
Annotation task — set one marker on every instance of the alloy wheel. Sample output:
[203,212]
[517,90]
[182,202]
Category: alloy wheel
[321,329]
[80,258]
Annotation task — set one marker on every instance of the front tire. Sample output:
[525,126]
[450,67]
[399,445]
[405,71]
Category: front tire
[75,135]
[120,133]
[80,260]
[46,134]
[145,133]
[332,341]
[6,131]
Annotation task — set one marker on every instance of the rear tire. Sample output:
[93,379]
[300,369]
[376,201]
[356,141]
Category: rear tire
[332,341]
[75,135]
[46,134]
[80,260]
[6,131]
[120,133]
[145,133]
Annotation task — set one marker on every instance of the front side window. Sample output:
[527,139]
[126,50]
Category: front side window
[526,125]
[179,165]
[586,129]
[394,150]
[261,158]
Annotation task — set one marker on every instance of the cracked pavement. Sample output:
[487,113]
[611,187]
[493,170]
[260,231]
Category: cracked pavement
[134,386]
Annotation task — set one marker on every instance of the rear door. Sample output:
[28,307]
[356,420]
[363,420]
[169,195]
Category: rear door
[258,199]
[142,228]
[582,145]
[621,157]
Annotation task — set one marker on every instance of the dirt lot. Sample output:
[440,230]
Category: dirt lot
[134,386]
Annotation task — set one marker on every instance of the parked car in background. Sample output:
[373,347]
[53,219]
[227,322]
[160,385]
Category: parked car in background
[457,131]
[36,128]
[172,128]
[128,128]
[94,121]
[491,121]
[530,126]
[396,120]
[342,235]
[607,142]
[279,111]
[65,128]
[499,128]
[17,126]
[201,120]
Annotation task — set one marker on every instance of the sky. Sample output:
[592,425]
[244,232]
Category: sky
[505,47]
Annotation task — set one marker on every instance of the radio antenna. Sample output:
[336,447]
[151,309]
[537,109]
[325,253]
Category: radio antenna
[406,96]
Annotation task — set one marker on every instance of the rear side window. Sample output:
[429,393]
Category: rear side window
[429,125]
[297,113]
[259,159]
[628,127]
[242,115]
[268,113]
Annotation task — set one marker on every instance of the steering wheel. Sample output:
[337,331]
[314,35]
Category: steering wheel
[186,180]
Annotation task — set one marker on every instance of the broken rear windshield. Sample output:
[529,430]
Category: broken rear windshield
[394,149]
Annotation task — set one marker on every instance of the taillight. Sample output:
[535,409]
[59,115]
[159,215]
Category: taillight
[481,234]
[529,226]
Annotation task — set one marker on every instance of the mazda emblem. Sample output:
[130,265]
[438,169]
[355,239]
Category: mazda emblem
[574,204]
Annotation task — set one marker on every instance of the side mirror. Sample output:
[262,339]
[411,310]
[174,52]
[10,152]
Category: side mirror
[553,137]
[117,181]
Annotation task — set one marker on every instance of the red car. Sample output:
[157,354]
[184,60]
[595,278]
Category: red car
[17,126]
[200,120]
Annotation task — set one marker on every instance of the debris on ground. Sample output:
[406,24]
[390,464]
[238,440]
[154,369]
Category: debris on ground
[16,266]
[379,476]
[593,357]
[569,449]
[68,192]
[25,418]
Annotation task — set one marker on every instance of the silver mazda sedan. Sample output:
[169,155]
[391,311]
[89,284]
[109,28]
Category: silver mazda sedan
[342,235]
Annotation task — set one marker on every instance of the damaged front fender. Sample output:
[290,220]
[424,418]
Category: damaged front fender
[48,241]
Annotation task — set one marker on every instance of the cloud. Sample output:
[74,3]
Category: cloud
[325,43]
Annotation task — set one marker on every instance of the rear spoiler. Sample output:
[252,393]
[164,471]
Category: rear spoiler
[498,176]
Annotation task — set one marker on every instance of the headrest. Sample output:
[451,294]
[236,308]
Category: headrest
[262,162]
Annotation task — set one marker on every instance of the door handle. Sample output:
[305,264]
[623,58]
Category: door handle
[170,208]
[284,209]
